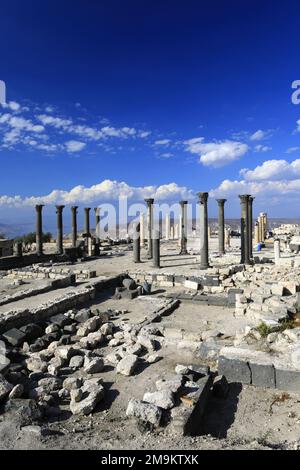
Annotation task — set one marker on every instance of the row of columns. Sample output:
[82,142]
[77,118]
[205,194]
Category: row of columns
[246,201]
[59,238]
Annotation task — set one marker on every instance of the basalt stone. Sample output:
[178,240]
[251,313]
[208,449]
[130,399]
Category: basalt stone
[234,370]
[14,337]
[263,375]
[82,316]
[32,331]
[60,320]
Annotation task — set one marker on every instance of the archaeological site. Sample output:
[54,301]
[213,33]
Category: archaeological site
[182,334]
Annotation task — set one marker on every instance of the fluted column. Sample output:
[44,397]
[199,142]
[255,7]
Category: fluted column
[250,209]
[149,203]
[74,225]
[203,197]
[87,221]
[245,259]
[59,238]
[39,229]
[221,224]
[183,238]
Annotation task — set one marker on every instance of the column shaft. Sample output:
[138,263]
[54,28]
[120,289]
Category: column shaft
[74,225]
[87,221]
[39,229]
[136,243]
[59,238]
[183,230]
[204,264]
[156,249]
[149,226]
[221,224]
[244,229]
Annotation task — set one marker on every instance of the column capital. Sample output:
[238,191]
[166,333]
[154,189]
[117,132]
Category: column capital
[39,207]
[87,209]
[203,197]
[183,203]
[244,197]
[96,210]
[74,208]
[59,208]
[149,201]
[251,199]
[221,202]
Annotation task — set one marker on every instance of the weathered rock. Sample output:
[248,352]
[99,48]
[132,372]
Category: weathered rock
[72,383]
[152,358]
[93,365]
[14,336]
[5,387]
[127,365]
[32,431]
[76,362]
[36,364]
[209,334]
[107,329]
[88,326]
[32,331]
[180,369]
[82,316]
[51,328]
[17,391]
[92,340]
[163,398]
[145,412]
[65,352]
[147,342]
[113,358]
[49,384]
[76,395]
[92,394]
[172,384]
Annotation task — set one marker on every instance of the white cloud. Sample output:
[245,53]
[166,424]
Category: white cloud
[162,142]
[262,148]
[216,154]
[107,190]
[273,170]
[292,149]
[74,146]
[260,134]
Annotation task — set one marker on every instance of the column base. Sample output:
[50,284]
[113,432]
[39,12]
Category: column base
[204,266]
[183,252]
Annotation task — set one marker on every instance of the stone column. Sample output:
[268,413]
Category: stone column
[74,225]
[142,230]
[149,203]
[172,232]
[59,238]
[39,229]
[167,226]
[183,238]
[136,243]
[221,231]
[97,222]
[227,237]
[277,251]
[244,229]
[250,215]
[176,232]
[87,221]
[256,233]
[156,249]
[203,230]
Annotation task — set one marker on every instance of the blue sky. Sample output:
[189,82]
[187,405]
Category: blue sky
[169,97]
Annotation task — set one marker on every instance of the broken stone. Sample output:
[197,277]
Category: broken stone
[107,329]
[17,391]
[127,365]
[152,358]
[92,340]
[51,328]
[173,384]
[5,387]
[180,369]
[36,364]
[14,336]
[50,384]
[113,358]
[163,398]
[129,284]
[92,394]
[76,395]
[145,412]
[93,365]
[76,362]
[88,326]
[72,383]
